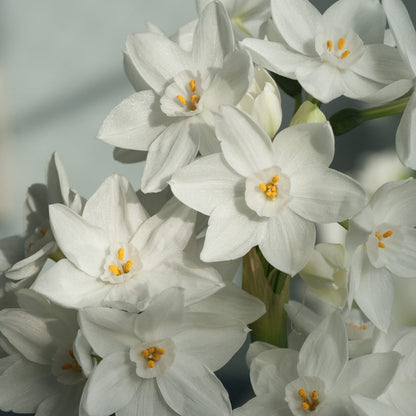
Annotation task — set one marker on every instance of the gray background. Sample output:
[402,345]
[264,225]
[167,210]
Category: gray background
[61,73]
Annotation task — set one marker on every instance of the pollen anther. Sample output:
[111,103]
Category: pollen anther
[341,43]
[152,355]
[181,99]
[120,254]
[192,85]
[270,189]
[388,234]
[114,269]
[345,54]
[381,244]
[329,45]
[309,403]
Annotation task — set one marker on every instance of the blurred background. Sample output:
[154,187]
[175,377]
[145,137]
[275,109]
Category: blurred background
[61,72]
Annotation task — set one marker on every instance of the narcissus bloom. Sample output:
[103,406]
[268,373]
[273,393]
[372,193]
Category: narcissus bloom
[338,53]
[265,193]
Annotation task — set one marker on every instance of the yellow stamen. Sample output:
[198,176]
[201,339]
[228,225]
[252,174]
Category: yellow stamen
[155,357]
[127,266]
[181,99]
[364,327]
[329,45]
[113,268]
[150,363]
[160,351]
[151,350]
[145,353]
[378,235]
[381,244]
[341,43]
[275,179]
[305,406]
[314,396]
[120,254]
[388,234]
[302,393]
[263,187]
[345,54]
[194,101]
[192,85]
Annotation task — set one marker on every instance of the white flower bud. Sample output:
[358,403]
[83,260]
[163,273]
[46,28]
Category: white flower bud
[308,113]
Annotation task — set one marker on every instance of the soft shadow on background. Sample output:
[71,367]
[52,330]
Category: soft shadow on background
[61,72]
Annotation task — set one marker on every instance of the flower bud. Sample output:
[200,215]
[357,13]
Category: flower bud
[308,113]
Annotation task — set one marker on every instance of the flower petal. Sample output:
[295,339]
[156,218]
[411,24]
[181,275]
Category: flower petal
[403,261]
[325,195]
[231,82]
[300,36]
[213,37]
[111,386]
[405,135]
[246,146]
[288,241]
[115,208]
[264,405]
[354,15]
[83,244]
[135,122]
[206,183]
[156,58]
[189,388]
[177,146]
[368,407]
[316,141]
[233,229]
[325,351]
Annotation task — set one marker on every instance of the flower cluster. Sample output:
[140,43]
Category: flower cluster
[125,303]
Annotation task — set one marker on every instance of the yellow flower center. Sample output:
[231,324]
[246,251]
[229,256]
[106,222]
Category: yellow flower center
[73,365]
[309,403]
[381,237]
[125,268]
[340,47]
[270,189]
[363,327]
[152,355]
[194,99]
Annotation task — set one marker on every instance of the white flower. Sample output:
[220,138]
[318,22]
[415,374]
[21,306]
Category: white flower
[42,372]
[381,241]
[263,102]
[338,53]
[318,379]
[174,120]
[267,194]
[405,37]
[159,362]
[116,255]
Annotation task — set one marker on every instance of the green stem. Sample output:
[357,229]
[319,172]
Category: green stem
[345,224]
[395,107]
[239,23]
[313,100]
[58,255]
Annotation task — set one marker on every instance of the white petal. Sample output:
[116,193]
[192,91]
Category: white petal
[115,208]
[28,333]
[325,352]
[11,250]
[368,407]
[405,135]
[213,38]
[206,183]
[379,63]
[83,244]
[189,389]
[300,36]
[139,84]
[70,287]
[156,58]
[231,82]
[111,386]
[58,186]
[402,27]
[374,294]
[64,403]
[316,141]
[403,263]
[147,401]
[135,122]
[322,80]
[211,338]
[387,93]
[368,375]
[354,15]
[165,233]
[288,241]
[325,195]
[232,230]
[272,370]
[177,146]
[246,146]
[108,330]
[264,405]
[304,319]
[232,301]
[275,56]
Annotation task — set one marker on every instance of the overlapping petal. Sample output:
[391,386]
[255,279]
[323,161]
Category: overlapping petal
[405,135]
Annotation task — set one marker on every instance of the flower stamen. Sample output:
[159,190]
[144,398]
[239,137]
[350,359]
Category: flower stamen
[362,327]
[309,403]
[192,85]
[329,45]
[345,54]
[194,98]
[152,355]
[270,190]
[341,43]
[181,99]
[387,234]
[74,366]
[125,268]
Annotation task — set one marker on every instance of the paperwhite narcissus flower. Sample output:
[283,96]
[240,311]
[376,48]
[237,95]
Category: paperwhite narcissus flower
[174,120]
[338,53]
[263,102]
[325,274]
[42,373]
[265,193]
[159,362]
[405,36]
[23,256]
[319,379]
[116,255]
[381,242]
